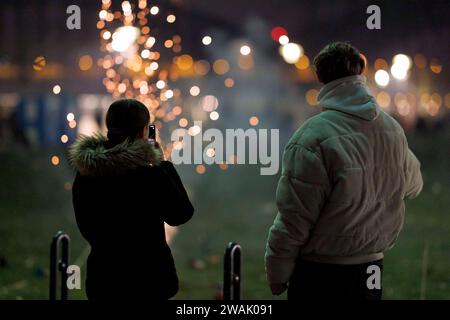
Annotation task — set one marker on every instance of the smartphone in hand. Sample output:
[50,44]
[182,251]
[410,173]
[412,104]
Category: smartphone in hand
[152,133]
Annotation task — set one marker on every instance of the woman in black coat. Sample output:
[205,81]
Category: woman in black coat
[122,194]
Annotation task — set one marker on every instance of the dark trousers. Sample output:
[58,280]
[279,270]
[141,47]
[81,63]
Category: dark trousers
[314,281]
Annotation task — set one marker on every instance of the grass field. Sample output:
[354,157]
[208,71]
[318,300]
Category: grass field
[232,205]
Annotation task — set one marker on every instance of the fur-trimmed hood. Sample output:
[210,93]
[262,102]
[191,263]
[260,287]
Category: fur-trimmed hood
[90,156]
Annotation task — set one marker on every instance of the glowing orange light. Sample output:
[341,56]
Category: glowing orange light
[55,160]
[277,32]
[185,62]
[221,66]
[420,61]
[85,63]
[229,82]
[72,124]
[39,63]
[200,169]
[171,18]
[168,43]
[380,64]
[384,99]
[177,110]
[302,63]
[311,97]
[201,67]
[56,89]
[154,10]
[435,66]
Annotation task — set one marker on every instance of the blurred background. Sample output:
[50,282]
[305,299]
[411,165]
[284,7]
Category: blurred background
[231,64]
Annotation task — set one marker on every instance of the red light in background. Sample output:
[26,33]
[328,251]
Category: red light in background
[277,32]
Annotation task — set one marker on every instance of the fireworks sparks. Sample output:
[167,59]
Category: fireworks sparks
[132,61]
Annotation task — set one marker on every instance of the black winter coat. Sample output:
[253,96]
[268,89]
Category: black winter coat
[122,195]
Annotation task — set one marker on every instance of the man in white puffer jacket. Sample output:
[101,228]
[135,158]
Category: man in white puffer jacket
[340,198]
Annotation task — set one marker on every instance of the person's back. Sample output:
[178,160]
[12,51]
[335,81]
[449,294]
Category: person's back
[122,195]
[345,175]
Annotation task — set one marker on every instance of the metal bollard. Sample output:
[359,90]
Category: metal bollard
[59,265]
[232,272]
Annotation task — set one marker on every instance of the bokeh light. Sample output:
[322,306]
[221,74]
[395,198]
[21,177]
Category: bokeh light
[194,130]
[254,121]
[200,169]
[380,64]
[291,52]
[70,117]
[64,138]
[214,115]
[160,84]
[201,67]
[435,66]
[382,78]
[245,50]
[311,97]
[302,63]
[229,82]
[277,32]
[221,66]
[183,122]
[210,152]
[206,40]
[401,65]
[55,160]
[56,89]
[171,18]
[383,99]
[194,91]
[72,124]
[185,62]
[209,103]
[39,63]
[398,72]
[85,63]
[154,10]
[124,37]
[420,61]
[402,60]
[283,40]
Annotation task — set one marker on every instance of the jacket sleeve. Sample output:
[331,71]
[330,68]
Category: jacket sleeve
[87,222]
[300,195]
[177,206]
[414,182]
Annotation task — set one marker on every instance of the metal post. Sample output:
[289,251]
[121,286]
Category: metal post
[59,264]
[232,272]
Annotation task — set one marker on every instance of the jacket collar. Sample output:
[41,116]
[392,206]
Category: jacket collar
[349,95]
[91,156]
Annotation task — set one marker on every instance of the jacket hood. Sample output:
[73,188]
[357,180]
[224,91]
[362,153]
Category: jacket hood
[349,95]
[90,155]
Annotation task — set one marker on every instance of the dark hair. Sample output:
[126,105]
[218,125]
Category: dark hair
[338,60]
[125,119]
